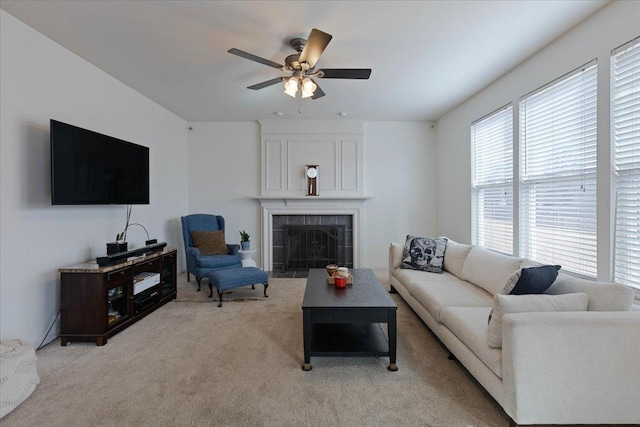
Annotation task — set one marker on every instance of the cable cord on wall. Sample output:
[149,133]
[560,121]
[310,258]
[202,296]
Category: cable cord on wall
[145,230]
[47,334]
[127,224]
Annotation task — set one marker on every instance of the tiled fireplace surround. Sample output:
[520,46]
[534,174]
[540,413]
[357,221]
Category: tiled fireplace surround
[276,211]
[344,242]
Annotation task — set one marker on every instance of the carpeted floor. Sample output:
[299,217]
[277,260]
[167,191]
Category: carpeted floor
[191,363]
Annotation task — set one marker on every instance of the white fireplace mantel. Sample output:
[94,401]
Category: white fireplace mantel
[310,205]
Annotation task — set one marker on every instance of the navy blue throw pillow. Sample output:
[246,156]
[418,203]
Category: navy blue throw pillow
[535,280]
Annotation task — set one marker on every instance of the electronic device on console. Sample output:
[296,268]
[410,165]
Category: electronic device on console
[113,259]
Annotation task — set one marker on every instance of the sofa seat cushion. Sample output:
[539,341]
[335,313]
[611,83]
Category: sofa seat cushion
[469,324]
[436,294]
[603,296]
[218,261]
[409,277]
[488,269]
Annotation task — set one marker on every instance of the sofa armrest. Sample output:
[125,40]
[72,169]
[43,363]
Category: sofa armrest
[571,367]
[233,249]
[395,255]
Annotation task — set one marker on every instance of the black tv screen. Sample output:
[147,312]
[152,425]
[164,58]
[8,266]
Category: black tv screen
[89,168]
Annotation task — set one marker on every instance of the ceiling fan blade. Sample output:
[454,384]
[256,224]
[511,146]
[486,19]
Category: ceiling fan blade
[266,84]
[318,92]
[253,57]
[346,73]
[316,43]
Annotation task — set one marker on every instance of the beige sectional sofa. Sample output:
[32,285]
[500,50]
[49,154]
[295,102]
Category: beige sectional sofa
[554,367]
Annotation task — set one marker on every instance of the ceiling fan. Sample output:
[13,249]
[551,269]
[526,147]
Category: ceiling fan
[301,67]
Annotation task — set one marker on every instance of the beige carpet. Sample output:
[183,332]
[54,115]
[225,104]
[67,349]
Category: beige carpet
[191,363]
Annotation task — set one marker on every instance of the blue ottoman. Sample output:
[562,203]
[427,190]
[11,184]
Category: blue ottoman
[228,279]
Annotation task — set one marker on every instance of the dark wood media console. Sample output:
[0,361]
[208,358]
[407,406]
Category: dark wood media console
[98,302]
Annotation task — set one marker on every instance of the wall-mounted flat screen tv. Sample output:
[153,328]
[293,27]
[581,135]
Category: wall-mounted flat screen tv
[89,168]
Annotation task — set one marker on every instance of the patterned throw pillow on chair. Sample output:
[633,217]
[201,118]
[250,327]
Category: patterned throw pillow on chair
[424,253]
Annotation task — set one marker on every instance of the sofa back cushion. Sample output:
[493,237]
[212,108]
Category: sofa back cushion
[603,296]
[489,270]
[454,257]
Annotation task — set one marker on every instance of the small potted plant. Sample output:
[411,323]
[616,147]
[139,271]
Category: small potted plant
[244,240]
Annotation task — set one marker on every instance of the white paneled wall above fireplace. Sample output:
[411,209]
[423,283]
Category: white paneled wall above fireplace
[336,146]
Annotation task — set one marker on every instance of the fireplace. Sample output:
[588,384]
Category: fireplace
[301,242]
[317,212]
[313,246]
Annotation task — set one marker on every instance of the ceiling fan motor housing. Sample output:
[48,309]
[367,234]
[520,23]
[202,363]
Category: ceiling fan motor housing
[292,61]
[298,44]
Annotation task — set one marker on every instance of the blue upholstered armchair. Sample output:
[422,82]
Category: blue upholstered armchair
[200,265]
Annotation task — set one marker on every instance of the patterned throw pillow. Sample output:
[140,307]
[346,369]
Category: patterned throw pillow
[424,253]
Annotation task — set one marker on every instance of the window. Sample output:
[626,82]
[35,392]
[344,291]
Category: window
[558,172]
[625,126]
[492,186]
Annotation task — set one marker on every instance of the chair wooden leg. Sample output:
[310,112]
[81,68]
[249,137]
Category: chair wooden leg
[188,277]
[210,289]
[266,285]
[198,279]
[220,296]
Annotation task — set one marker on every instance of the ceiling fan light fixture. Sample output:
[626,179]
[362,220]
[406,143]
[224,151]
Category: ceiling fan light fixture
[302,67]
[291,87]
[308,87]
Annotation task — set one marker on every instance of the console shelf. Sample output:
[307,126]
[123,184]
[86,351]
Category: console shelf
[98,302]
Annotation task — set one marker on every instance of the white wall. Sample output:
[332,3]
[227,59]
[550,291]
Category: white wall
[400,172]
[224,175]
[41,80]
[613,26]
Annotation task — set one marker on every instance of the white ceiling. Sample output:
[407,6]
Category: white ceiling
[426,56]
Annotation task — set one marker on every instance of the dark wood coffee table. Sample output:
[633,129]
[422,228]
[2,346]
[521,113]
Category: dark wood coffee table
[347,321]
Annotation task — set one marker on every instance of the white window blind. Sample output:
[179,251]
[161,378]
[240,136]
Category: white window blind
[492,186]
[558,172]
[625,82]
